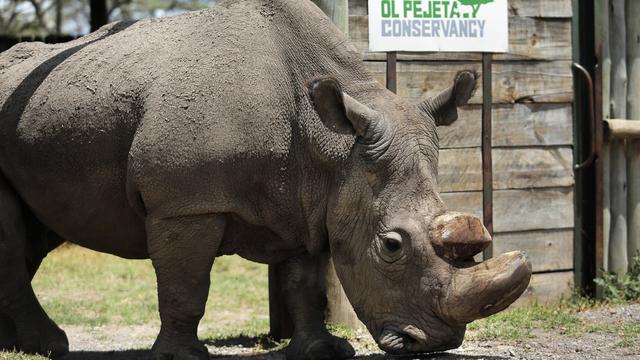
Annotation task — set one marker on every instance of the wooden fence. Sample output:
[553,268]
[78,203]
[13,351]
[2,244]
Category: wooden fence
[618,34]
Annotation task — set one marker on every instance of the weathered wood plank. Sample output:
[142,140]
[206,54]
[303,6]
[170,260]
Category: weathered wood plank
[460,170]
[358,7]
[513,82]
[513,125]
[337,10]
[529,39]
[513,168]
[519,210]
[543,9]
[532,167]
[546,288]
[548,250]
[533,209]
[618,260]
[633,113]
[547,8]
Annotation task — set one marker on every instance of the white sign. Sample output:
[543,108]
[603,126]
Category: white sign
[438,25]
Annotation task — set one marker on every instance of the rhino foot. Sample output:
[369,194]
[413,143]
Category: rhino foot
[167,348]
[325,347]
[47,339]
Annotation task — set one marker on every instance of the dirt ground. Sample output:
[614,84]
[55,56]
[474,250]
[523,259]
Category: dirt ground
[119,343]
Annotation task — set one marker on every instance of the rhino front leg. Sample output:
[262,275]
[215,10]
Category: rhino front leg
[182,251]
[303,280]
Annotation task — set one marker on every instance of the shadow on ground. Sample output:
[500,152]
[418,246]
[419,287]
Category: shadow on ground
[145,354]
[243,341]
[243,348]
[275,355]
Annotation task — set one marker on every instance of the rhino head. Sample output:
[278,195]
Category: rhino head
[404,260]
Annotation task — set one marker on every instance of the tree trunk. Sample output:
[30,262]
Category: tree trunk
[99,14]
[59,8]
[618,240]
[633,113]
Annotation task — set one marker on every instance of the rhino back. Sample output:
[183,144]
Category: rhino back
[210,99]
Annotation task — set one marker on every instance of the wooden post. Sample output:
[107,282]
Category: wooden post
[618,240]
[602,216]
[337,10]
[604,169]
[633,113]
[339,309]
[392,72]
[487,163]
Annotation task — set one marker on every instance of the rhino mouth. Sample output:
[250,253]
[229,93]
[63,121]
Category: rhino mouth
[477,290]
[411,340]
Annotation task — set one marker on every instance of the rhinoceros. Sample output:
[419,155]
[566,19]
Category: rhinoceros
[251,128]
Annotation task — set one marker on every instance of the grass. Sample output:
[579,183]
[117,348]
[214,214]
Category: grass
[520,323]
[82,287]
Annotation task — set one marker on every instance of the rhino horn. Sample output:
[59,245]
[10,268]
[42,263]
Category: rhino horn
[476,290]
[458,236]
[486,288]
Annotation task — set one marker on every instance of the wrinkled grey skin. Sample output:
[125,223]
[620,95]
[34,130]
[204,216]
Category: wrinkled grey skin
[252,129]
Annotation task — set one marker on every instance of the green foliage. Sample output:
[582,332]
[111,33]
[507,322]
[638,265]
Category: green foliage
[622,288]
[27,18]
[138,9]
[475,2]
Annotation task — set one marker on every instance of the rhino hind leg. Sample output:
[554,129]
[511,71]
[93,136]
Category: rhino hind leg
[182,250]
[8,335]
[34,332]
[305,297]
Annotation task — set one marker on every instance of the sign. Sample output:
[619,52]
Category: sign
[438,25]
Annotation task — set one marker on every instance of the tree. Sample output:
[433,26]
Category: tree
[99,14]
[28,18]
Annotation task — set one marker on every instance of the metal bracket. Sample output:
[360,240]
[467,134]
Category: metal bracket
[592,155]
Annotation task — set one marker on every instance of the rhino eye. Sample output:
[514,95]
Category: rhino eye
[390,247]
[392,244]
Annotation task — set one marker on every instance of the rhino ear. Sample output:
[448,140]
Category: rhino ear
[444,107]
[338,111]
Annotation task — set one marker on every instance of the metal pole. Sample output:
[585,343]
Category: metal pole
[392,74]
[487,166]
